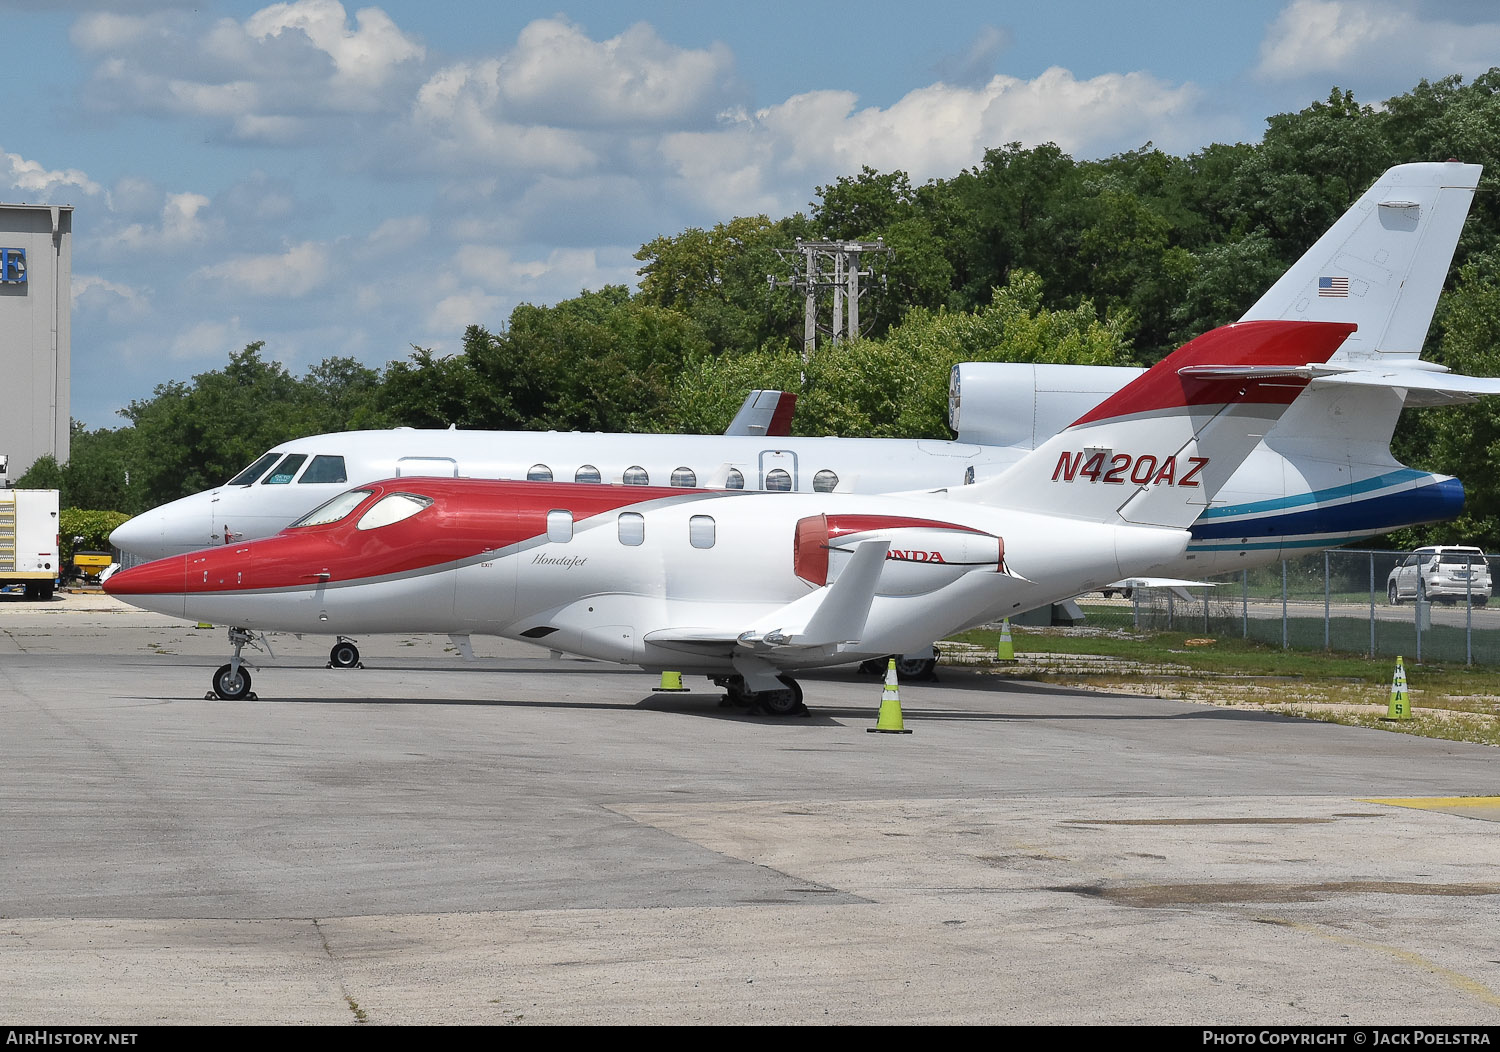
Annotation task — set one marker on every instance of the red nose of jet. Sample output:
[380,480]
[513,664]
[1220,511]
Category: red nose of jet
[163,577]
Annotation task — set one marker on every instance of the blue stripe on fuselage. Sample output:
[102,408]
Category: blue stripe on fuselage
[1432,503]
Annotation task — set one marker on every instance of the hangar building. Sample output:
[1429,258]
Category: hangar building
[36,273]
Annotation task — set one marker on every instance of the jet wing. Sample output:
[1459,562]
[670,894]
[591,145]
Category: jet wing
[829,616]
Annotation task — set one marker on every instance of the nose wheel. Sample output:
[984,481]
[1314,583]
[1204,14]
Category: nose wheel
[232,681]
[344,654]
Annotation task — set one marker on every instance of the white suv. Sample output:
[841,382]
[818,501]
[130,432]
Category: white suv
[1441,574]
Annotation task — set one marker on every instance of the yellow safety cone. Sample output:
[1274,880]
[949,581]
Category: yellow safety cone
[1400,707]
[889,721]
[1006,651]
[671,682]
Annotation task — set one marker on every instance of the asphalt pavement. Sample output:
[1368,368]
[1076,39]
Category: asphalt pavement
[521,839]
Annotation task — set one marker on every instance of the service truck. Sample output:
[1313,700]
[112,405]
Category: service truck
[29,540]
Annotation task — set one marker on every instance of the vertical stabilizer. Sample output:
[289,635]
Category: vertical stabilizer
[1383,264]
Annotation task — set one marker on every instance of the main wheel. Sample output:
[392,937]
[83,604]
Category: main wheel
[231,685]
[915,668]
[1390,591]
[785,702]
[344,655]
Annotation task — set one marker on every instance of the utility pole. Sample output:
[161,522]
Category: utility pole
[829,265]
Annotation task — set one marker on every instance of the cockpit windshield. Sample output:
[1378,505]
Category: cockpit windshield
[332,510]
[254,471]
[393,507]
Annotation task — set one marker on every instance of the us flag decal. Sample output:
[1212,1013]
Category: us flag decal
[1333,287]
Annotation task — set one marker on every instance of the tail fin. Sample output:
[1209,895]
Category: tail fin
[766,413]
[1383,264]
[1157,451]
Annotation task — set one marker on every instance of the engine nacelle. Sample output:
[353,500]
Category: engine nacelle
[1022,404]
[925,555]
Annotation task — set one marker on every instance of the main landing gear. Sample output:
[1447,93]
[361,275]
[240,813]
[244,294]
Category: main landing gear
[232,681]
[344,654]
[786,701]
[908,666]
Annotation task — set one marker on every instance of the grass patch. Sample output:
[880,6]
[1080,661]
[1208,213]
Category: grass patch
[1453,702]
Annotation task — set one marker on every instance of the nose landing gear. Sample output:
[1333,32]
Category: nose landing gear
[232,681]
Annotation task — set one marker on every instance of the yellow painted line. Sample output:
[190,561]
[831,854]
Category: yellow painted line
[1435,803]
[1456,980]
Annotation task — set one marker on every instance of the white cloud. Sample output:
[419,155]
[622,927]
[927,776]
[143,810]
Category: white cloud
[269,78]
[298,270]
[471,306]
[931,132]
[557,75]
[459,117]
[1351,38]
[39,185]
[208,340]
[364,58]
[118,302]
[181,224]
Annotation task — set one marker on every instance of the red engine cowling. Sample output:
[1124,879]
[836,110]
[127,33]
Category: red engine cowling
[924,554]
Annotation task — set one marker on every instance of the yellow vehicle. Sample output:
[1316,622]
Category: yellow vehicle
[87,566]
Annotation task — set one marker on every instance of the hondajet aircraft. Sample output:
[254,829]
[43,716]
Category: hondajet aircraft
[749,587]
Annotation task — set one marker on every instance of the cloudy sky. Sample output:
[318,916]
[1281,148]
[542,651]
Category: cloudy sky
[343,180]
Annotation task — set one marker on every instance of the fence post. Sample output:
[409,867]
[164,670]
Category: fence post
[1419,608]
[1325,600]
[1469,610]
[1244,604]
[1372,604]
[1283,605]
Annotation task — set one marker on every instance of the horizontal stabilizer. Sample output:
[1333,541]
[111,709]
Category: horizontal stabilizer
[1424,387]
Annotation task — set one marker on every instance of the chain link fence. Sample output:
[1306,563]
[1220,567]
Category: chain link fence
[1335,600]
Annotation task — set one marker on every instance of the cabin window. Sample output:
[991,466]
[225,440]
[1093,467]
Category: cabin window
[559,525]
[825,481]
[324,469]
[392,508]
[701,531]
[684,478]
[778,480]
[254,471]
[632,526]
[734,480]
[587,473]
[333,510]
[284,472]
[969,475]
[635,475]
[539,473]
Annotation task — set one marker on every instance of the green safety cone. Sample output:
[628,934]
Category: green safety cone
[1006,651]
[1400,707]
[889,721]
[671,682]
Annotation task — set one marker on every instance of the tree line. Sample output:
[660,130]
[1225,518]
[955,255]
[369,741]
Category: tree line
[1030,255]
